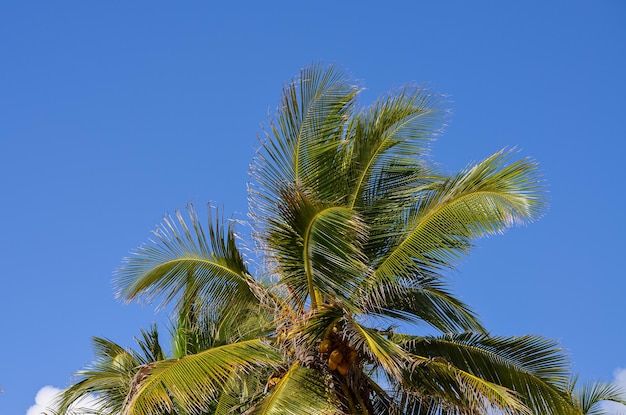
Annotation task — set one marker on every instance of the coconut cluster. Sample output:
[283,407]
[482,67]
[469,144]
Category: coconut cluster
[340,354]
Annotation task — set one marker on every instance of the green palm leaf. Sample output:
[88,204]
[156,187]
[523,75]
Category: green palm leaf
[182,259]
[531,366]
[329,256]
[192,382]
[300,391]
[591,395]
[419,301]
[199,329]
[332,256]
[150,346]
[240,392]
[319,324]
[301,146]
[486,199]
[379,350]
[386,144]
[431,385]
[106,380]
[324,258]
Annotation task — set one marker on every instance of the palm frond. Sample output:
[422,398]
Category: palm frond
[242,391]
[329,255]
[182,259]
[317,248]
[434,386]
[332,252]
[106,381]
[300,391]
[317,325]
[531,366]
[387,145]
[301,145]
[193,382]
[419,301]
[485,199]
[591,395]
[379,350]
[193,333]
[150,346]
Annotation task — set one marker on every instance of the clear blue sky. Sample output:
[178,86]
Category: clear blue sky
[114,113]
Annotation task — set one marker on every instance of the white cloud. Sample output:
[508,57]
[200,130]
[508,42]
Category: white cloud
[620,378]
[45,399]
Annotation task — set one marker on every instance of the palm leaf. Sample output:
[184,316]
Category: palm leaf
[380,351]
[304,135]
[241,391]
[387,144]
[591,395]
[182,259]
[434,386]
[318,324]
[106,380]
[150,346]
[485,199]
[203,330]
[419,301]
[194,381]
[300,391]
[531,366]
[317,248]
[332,255]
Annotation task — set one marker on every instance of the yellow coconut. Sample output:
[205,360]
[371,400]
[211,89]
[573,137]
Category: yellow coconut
[343,368]
[336,356]
[325,346]
[331,364]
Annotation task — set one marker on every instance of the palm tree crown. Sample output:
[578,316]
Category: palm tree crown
[355,229]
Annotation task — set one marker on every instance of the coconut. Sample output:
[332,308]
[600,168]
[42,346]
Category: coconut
[325,346]
[336,356]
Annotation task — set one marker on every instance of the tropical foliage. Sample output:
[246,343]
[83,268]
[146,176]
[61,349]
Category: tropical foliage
[591,397]
[354,230]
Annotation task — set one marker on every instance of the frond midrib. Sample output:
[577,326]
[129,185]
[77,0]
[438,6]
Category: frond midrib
[201,260]
[308,267]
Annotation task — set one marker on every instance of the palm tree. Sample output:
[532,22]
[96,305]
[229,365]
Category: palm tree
[355,230]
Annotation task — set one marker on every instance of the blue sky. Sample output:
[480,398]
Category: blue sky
[115,113]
